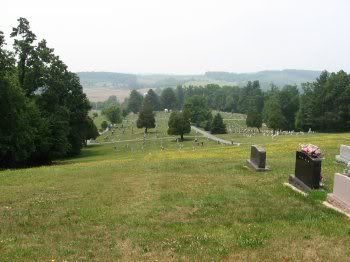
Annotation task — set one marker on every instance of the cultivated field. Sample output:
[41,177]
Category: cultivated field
[132,200]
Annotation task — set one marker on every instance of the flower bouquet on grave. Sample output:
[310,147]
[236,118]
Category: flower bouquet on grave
[311,150]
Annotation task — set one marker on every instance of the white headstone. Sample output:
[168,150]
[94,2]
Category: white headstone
[344,155]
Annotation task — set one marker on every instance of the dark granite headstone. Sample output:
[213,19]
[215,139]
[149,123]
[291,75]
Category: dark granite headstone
[257,159]
[307,172]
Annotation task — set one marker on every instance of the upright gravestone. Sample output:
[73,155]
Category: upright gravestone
[341,192]
[307,172]
[344,155]
[257,159]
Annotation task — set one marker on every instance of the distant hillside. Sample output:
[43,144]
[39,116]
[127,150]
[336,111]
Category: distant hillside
[108,79]
[279,78]
[129,81]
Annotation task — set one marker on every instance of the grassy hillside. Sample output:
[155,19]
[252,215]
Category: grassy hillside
[116,201]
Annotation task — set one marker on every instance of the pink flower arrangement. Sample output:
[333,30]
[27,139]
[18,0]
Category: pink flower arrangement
[311,150]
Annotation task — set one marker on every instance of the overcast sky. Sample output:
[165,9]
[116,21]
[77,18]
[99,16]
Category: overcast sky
[189,36]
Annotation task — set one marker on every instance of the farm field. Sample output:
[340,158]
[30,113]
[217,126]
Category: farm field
[159,199]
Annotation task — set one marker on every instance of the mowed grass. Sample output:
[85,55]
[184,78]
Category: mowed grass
[195,203]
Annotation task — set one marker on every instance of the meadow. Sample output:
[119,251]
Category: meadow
[164,200]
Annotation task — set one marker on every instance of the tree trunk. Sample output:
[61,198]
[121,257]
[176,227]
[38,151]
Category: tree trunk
[259,129]
[182,137]
[146,130]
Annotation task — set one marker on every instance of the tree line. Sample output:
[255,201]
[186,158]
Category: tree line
[43,110]
[322,105]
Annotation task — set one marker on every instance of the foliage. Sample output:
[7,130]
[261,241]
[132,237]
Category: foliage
[43,104]
[324,104]
[178,124]
[111,100]
[153,100]
[135,101]
[273,113]
[146,116]
[113,114]
[180,97]
[217,125]
[168,99]
[104,125]
[254,119]
[197,111]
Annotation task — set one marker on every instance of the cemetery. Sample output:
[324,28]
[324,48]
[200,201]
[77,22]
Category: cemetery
[191,198]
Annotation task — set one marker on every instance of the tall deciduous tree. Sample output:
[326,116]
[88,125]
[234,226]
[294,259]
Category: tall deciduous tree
[178,125]
[197,111]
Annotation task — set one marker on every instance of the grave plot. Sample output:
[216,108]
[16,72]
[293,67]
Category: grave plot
[257,159]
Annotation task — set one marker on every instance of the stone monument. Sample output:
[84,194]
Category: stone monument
[344,156]
[257,159]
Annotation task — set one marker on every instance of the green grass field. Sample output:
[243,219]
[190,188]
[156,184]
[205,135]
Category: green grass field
[119,202]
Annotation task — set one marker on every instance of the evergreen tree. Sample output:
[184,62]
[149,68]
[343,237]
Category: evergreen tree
[178,125]
[218,126]
[135,101]
[146,116]
[168,99]
[153,99]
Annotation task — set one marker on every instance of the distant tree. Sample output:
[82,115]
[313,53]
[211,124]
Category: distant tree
[91,131]
[178,125]
[273,113]
[168,99]
[104,125]
[254,119]
[94,114]
[251,98]
[146,116]
[289,99]
[153,99]
[24,48]
[113,114]
[125,112]
[135,101]
[218,126]
[180,97]
[324,104]
[197,111]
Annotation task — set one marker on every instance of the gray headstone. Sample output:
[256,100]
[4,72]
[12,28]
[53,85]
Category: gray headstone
[257,159]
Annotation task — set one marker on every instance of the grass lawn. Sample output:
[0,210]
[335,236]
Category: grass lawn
[197,203]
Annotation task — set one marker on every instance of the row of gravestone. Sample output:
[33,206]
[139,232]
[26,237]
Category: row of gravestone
[307,174]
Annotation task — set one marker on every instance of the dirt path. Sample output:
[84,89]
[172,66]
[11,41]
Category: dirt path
[214,138]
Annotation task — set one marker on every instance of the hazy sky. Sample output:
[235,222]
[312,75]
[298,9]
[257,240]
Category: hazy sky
[189,36]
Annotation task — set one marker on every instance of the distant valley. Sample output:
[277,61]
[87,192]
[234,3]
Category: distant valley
[99,85]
